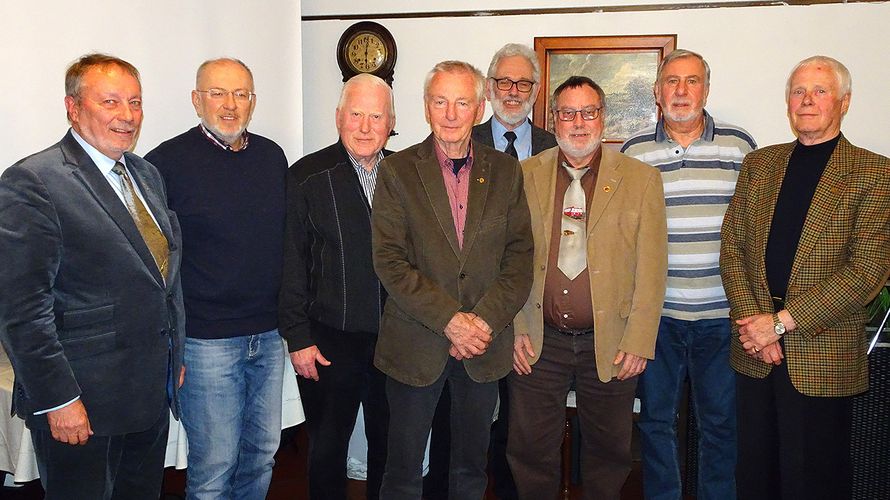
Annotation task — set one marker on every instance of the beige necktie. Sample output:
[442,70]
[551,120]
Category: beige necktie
[573,239]
[154,239]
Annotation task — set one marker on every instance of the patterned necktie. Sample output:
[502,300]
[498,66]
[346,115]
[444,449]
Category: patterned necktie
[573,239]
[154,239]
[511,148]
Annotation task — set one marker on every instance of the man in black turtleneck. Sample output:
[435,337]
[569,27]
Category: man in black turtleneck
[805,243]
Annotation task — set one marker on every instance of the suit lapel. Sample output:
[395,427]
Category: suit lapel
[828,193]
[480,180]
[543,178]
[430,174]
[773,184]
[607,181]
[88,173]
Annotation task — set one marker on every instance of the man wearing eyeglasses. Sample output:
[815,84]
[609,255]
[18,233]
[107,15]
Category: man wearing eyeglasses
[600,263]
[699,159]
[228,187]
[512,87]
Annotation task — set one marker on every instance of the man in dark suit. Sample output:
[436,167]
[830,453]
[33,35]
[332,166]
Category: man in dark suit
[513,84]
[90,302]
[452,245]
[330,297]
[805,246]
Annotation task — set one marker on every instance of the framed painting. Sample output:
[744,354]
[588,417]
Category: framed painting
[624,66]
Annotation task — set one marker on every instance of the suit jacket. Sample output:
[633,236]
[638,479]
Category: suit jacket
[429,278]
[328,274]
[84,310]
[541,139]
[841,260]
[626,255]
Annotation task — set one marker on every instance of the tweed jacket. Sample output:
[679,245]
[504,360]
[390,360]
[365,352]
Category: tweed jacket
[842,258]
[429,277]
[626,255]
[541,139]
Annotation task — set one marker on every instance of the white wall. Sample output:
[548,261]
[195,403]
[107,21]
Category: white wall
[166,40]
[750,50]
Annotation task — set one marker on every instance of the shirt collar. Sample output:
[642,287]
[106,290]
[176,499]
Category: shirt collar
[593,164]
[523,135]
[357,164]
[446,163]
[707,134]
[221,143]
[104,163]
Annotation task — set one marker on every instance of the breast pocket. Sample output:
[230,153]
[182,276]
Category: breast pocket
[87,332]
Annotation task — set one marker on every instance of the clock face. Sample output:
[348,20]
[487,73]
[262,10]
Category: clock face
[365,52]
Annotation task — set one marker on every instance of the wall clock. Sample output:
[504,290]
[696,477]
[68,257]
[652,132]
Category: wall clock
[367,47]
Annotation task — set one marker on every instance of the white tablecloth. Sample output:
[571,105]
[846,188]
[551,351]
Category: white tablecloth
[17,452]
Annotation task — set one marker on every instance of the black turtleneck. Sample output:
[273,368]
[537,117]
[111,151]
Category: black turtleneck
[805,168]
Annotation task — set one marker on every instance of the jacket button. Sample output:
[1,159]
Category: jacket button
[462,275]
[164,332]
[538,305]
[542,267]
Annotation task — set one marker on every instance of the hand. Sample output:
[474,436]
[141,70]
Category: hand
[756,332]
[466,336]
[454,353]
[181,376]
[522,350]
[70,424]
[771,354]
[631,365]
[478,321]
[304,362]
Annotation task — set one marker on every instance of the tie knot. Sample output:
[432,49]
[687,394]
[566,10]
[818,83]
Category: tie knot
[510,136]
[576,173]
[118,168]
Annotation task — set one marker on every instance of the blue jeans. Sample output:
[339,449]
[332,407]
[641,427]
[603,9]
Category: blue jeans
[699,350]
[231,411]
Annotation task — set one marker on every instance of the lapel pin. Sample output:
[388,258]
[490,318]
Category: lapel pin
[481,180]
[607,188]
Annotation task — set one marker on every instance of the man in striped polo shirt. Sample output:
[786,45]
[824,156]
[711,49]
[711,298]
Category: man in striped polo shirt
[699,159]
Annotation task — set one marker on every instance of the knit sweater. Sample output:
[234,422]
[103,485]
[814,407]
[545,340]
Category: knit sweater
[231,208]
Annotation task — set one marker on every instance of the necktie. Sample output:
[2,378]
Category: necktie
[154,239]
[573,240]
[511,148]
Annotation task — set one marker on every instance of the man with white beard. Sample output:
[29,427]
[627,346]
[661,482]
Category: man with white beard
[512,86]
[600,261]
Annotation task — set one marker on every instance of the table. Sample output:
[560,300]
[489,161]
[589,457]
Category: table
[17,451]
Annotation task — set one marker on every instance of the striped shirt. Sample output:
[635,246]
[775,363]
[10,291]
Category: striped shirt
[698,184]
[368,179]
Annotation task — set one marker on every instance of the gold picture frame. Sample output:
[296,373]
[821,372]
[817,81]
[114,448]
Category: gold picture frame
[624,66]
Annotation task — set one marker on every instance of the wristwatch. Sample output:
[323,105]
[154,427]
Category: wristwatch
[778,326]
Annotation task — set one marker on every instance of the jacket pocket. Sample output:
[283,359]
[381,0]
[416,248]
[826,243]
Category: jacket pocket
[77,318]
[87,332]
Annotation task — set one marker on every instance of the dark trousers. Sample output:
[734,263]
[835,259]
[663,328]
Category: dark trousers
[538,413]
[791,446]
[435,484]
[411,416]
[126,467]
[331,405]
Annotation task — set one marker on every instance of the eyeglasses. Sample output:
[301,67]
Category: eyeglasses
[568,115]
[239,95]
[506,84]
